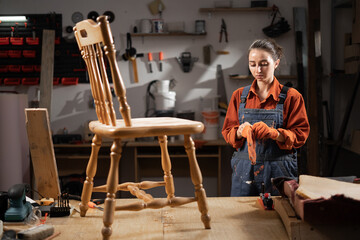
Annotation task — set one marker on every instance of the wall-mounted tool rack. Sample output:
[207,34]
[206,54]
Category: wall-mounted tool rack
[20,52]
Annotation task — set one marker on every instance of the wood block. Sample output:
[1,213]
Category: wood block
[298,229]
[42,152]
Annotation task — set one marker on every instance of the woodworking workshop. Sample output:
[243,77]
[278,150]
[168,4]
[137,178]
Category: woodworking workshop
[191,119]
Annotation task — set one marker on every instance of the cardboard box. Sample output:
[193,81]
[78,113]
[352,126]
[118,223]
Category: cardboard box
[355,141]
[351,58]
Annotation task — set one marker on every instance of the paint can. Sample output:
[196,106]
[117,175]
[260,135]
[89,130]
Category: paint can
[158,25]
[200,26]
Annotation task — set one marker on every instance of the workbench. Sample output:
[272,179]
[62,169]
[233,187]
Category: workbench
[231,218]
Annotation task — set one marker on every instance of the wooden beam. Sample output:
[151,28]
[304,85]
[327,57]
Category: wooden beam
[42,152]
[47,68]
[313,156]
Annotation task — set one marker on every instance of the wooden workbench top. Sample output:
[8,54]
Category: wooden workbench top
[232,218]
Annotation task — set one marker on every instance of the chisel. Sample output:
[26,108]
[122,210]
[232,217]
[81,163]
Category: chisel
[93,205]
[161,56]
[150,58]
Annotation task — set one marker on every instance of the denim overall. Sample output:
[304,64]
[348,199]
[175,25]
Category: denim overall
[271,161]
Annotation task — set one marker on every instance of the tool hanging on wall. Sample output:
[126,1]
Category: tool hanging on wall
[221,90]
[130,54]
[161,57]
[93,15]
[223,30]
[150,58]
[111,16]
[186,61]
[155,6]
[207,53]
[278,28]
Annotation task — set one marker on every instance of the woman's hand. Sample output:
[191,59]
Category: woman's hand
[242,132]
[263,131]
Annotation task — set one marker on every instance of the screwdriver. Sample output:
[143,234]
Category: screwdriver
[93,205]
[150,58]
[161,57]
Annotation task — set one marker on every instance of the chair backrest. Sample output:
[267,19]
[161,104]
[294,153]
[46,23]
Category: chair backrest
[94,40]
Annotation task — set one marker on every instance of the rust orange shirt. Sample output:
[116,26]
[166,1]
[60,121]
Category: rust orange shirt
[296,126]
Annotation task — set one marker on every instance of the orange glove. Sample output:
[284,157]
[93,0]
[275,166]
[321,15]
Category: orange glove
[263,131]
[248,133]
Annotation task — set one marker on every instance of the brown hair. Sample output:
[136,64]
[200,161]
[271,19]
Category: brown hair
[269,45]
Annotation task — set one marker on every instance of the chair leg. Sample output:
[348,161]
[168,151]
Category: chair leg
[166,166]
[111,186]
[196,178]
[90,173]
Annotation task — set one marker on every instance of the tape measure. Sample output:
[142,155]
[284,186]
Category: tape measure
[46,201]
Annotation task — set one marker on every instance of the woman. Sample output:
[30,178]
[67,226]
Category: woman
[271,115]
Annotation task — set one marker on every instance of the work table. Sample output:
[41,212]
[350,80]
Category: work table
[231,218]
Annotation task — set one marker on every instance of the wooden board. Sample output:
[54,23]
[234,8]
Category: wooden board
[319,187]
[47,68]
[42,152]
[298,229]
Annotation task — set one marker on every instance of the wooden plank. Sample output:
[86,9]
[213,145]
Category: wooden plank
[47,68]
[288,216]
[298,229]
[319,187]
[42,152]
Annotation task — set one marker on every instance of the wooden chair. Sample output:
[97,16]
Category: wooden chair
[94,40]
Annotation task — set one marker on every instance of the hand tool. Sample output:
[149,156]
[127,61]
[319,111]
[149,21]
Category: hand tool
[154,6]
[223,31]
[133,62]
[19,208]
[161,57]
[265,199]
[46,201]
[98,201]
[186,61]
[150,58]
[93,205]
[130,54]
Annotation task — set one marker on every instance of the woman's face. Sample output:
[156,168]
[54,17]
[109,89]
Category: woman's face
[262,65]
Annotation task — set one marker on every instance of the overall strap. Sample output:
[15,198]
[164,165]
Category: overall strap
[243,97]
[282,97]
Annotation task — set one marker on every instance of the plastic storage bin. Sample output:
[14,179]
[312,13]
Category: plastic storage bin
[30,81]
[17,40]
[32,41]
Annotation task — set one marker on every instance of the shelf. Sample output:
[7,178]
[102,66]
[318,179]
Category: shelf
[166,34]
[255,9]
[249,77]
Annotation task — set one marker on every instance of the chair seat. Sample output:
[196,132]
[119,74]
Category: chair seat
[147,127]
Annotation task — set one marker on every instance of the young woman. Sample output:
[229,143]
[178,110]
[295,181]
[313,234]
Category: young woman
[271,115]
